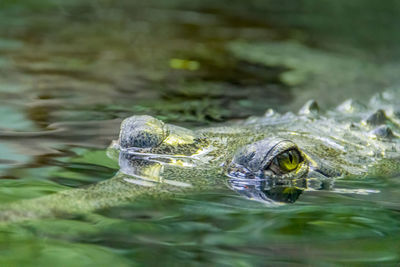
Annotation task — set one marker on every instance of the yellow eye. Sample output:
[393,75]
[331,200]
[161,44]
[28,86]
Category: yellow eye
[289,160]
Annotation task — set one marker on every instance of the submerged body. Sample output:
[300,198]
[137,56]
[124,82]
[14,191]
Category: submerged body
[270,159]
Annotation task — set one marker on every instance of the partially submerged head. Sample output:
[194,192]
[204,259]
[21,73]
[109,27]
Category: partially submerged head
[245,158]
[277,150]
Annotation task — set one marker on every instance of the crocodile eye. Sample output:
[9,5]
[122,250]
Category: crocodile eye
[269,158]
[286,162]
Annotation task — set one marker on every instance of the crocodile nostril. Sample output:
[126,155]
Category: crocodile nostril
[142,132]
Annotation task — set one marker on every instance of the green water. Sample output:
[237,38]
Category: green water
[70,71]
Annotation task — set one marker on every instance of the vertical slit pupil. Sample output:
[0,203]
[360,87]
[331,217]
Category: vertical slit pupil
[290,157]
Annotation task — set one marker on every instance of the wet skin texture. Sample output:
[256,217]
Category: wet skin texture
[272,159]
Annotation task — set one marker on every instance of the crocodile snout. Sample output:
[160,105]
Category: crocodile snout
[142,132]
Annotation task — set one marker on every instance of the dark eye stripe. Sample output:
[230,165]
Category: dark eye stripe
[290,156]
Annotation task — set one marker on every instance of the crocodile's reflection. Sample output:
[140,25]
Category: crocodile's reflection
[140,168]
[278,190]
[146,171]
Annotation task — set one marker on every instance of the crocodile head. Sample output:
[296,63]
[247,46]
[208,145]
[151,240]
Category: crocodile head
[274,157]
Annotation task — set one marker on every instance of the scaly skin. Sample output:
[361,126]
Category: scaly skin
[158,159]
